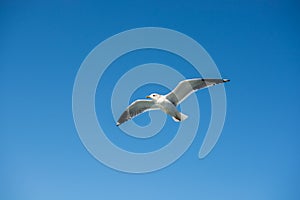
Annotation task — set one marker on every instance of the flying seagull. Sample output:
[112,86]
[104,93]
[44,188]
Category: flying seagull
[167,103]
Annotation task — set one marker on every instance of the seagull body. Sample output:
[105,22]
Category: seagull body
[167,103]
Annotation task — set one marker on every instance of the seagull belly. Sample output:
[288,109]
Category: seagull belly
[168,108]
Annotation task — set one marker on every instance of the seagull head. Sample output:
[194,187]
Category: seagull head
[153,96]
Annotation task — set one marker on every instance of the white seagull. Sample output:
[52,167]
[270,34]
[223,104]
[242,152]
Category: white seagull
[167,103]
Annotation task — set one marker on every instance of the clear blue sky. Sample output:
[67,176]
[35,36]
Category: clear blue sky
[254,43]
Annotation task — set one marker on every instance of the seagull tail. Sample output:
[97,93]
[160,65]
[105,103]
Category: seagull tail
[181,118]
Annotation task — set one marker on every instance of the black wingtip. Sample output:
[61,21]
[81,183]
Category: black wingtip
[226,80]
[118,124]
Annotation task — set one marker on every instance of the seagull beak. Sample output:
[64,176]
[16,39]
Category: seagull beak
[148,97]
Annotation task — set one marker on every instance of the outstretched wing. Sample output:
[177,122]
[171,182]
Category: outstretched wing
[136,108]
[187,87]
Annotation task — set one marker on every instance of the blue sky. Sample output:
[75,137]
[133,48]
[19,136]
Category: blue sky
[254,43]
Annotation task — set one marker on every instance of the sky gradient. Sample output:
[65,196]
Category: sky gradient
[256,44]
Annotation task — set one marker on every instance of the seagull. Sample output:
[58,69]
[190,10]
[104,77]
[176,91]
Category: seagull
[167,103]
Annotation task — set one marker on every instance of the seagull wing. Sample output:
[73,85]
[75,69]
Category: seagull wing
[187,87]
[136,108]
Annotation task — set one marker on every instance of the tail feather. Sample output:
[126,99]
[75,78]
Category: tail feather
[182,117]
